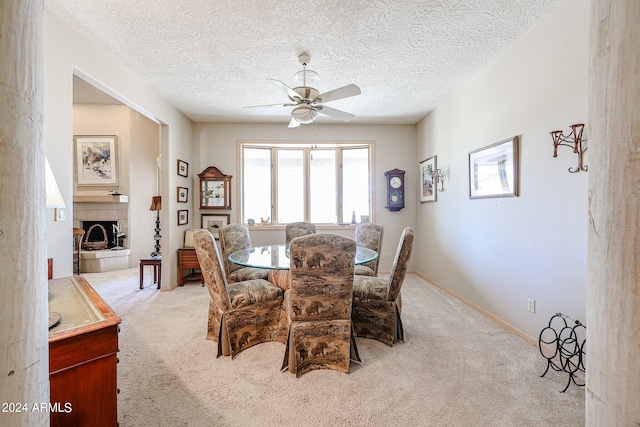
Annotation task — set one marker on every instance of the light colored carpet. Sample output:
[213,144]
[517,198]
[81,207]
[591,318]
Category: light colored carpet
[456,368]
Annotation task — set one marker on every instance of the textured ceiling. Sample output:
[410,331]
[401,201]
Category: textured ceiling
[211,58]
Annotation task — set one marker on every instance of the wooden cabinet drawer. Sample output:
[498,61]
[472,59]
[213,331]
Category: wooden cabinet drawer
[188,258]
[82,348]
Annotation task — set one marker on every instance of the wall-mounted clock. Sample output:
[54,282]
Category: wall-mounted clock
[395,189]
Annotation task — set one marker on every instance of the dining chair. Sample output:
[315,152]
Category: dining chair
[297,229]
[377,302]
[241,314]
[235,237]
[78,234]
[369,235]
[319,302]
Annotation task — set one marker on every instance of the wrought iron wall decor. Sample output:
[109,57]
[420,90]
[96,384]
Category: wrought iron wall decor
[574,139]
[566,339]
[438,177]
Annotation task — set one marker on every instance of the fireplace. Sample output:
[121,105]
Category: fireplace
[97,234]
[106,214]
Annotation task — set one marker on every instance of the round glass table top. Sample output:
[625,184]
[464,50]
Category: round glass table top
[276,257]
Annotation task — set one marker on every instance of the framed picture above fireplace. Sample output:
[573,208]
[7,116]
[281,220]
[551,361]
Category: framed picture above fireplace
[96,160]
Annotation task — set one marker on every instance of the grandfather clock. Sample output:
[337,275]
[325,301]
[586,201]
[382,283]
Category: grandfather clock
[395,189]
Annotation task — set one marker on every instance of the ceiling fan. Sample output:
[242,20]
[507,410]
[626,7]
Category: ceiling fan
[308,101]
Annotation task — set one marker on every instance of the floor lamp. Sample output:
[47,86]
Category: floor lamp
[156,205]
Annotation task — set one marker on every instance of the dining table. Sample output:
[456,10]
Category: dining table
[275,258]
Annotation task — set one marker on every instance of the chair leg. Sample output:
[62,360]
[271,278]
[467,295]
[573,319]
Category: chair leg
[285,360]
[399,329]
[353,350]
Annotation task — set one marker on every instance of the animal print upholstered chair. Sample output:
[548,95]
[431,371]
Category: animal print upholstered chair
[377,301]
[319,304]
[297,229]
[241,314]
[369,235]
[235,237]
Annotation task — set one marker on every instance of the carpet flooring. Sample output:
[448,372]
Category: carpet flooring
[455,368]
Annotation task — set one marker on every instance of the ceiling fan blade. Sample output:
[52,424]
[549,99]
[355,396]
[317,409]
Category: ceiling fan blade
[286,89]
[269,105]
[294,123]
[341,92]
[337,114]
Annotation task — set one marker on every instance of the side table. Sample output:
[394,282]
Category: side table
[187,259]
[156,263]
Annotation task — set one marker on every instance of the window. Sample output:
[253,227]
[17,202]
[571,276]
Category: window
[320,183]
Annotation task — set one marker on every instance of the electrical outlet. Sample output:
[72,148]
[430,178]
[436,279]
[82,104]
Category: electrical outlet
[531,305]
[384,255]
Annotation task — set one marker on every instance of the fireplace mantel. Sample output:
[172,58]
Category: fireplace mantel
[100,198]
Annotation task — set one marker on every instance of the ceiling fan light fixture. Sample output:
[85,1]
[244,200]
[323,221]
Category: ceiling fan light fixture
[304,114]
[308,102]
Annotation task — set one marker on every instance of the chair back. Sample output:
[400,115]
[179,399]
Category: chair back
[297,229]
[369,235]
[78,234]
[321,277]
[233,237]
[400,264]
[212,268]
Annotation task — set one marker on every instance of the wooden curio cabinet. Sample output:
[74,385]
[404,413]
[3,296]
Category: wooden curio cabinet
[215,189]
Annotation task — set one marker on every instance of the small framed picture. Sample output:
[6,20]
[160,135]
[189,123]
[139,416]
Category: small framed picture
[428,191]
[183,168]
[183,194]
[183,217]
[214,222]
[493,170]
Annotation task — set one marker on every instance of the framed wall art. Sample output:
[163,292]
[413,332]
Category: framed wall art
[183,194]
[96,160]
[428,191]
[183,217]
[214,222]
[493,170]
[183,168]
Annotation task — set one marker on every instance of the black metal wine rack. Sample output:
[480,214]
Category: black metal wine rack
[566,339]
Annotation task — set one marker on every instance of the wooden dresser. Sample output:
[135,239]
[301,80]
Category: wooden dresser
[82,356]
[187,259]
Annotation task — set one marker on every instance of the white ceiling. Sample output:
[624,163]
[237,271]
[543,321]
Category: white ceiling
[211,58]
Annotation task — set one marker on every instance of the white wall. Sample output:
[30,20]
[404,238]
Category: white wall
[216,145]
[499,252]
[66,53]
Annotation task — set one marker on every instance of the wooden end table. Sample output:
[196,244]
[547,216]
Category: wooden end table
[156,263]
